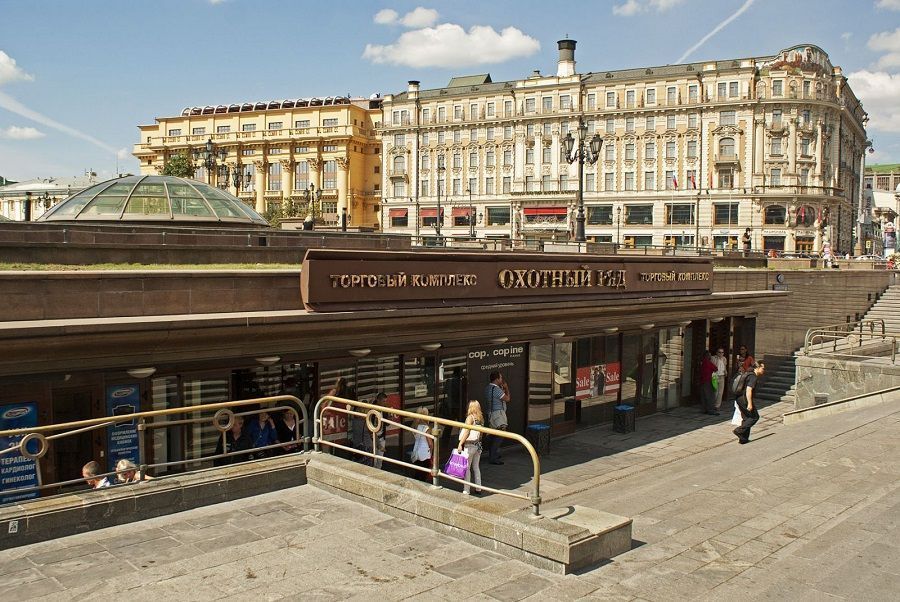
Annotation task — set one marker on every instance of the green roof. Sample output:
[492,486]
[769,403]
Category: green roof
[470,80]
[884,168]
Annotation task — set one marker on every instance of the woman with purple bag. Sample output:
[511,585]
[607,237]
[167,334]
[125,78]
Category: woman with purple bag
[470,443]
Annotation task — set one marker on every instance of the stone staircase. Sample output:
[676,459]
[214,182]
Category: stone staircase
[887,308]
[780,381]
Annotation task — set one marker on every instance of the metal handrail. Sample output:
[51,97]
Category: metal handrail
[845,327]
[222,420]
[374,418]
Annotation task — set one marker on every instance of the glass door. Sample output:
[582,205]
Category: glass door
[564,404]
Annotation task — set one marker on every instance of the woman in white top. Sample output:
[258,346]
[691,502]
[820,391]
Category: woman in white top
[470,441]
[422,446]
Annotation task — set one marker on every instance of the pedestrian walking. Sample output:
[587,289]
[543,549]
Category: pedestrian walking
[470,443]
[721,376]
[746,240]
[747,405]
[707,395]
[496,396]
[423,447]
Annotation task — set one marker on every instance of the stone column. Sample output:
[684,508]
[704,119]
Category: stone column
[287,181]
[820,152]
[792,147]
[260,186]
[315,167]
[343,165]
[759,145]
[817,241]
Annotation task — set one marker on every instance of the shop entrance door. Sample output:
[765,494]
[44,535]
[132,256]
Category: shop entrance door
[74,451]
[719,336]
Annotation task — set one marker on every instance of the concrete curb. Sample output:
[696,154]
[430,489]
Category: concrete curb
[842,405]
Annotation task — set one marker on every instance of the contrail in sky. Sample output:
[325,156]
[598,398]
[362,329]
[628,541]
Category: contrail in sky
[716,30]
[11,104]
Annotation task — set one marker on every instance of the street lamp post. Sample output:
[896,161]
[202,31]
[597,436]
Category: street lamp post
[618,226]
[207,157]
[312,196]
[582,153]
[438,220]
[471,216]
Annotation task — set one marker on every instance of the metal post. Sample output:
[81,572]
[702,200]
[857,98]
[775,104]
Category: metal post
[579,218]
[471,216]
[438,220]
[435,456]
[142,460]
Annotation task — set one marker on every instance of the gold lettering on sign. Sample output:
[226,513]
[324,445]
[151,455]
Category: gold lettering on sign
[401,280]
[579,278]
[611,278]
[673,276]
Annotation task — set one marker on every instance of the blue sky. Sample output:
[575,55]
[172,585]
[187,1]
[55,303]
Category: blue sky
[77,77]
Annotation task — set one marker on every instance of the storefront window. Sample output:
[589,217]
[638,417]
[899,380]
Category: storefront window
[563,385]
[539,409]
[597,378]
[669,367]
[202,438]
[341,378]
[166,442]
[382,375]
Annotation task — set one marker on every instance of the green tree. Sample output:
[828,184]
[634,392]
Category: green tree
[179,165]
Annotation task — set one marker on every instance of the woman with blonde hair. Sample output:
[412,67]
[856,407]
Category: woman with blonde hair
[128,472]
[470,442]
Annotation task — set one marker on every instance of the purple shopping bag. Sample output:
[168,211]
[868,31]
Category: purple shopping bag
[457,464]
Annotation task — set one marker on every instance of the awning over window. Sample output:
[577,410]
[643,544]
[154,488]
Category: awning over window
[397,212]
[460,211]
[546,211]
[430,212]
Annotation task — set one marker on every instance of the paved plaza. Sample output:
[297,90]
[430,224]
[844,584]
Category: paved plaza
[807,512]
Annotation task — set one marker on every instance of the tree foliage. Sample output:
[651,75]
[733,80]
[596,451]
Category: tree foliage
[179,165]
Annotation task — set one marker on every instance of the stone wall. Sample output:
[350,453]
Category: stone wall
[841,377]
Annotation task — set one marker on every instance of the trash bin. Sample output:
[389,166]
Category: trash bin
[539,436]
[623,419]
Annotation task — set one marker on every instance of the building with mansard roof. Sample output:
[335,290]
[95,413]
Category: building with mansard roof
[692,154]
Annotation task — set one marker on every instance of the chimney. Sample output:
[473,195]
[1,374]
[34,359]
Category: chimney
[566,65]
[413,90]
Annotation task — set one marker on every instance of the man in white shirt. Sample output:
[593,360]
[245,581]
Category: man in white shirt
[721,372]
[90,471]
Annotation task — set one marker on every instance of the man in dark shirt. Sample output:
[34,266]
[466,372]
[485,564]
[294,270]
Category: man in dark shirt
[747,405]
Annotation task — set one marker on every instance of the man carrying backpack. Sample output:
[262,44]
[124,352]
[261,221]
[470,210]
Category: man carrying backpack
[746,404]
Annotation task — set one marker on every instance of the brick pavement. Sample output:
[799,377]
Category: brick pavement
[803,512]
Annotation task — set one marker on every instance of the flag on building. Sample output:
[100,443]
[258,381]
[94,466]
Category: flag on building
[674,181]
[693,182]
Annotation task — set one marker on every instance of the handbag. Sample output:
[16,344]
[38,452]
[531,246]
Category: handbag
[457,465]
[715,381]
[737,419]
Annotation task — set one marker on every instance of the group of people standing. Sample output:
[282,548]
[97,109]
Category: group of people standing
[715,386]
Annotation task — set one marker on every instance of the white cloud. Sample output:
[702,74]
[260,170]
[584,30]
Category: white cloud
[449,45]
[420,17]
[887,42]
[633,7]
[214,2]
[888,4]
[10,71]
[716,30]
[386,16]
[122,153]
[21,133]
[878,92]
[846,36]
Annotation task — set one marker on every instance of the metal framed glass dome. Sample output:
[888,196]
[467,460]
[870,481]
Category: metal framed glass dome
[154,199]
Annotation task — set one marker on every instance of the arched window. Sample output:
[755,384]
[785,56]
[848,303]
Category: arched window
[806,216]
[775,215]
[399,164]
[726,146]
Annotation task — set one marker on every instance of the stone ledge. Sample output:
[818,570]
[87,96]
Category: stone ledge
[68,514]
[562,540]
[842,405]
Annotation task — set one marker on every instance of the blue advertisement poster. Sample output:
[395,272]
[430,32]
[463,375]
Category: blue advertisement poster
[122,439]
[17,471]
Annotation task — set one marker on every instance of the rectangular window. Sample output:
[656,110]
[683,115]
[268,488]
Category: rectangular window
[473,111]
[649,180]
[442,114]
[330,122]
[301,175]
[804,177]
[498,216]
[726,178]
[423,187]
[610,99]
[198,131]
[473,159]
[426,113]
[530,105]
[275,125]
[248,127]
[425,139]
[629,180]
[725,214]
[547,103]
[804,146]
[609,182]
[693,120]
[650,123]
[670,149]
[671,95]
[507,184]
[629,99]
[629,151]
[776,118]
[457,137]
[679,214]
[273,182]
[473,135]
[610,125]
[275,151]
[692,149]
[600,215]
[547,184]
[301,123]
[589,183]
[426,161]
[329,148]
[651,96]
[399,189]
[473,186]
[489,186]
[693,94]
[395,118]
[247,152]
[223,129]
[529,184]
[776,145]
[670,122]
[457,160]
[691,180]
[629,124]
[591,101]
[490,109]
[639,215]
[529,156]
[806,116]
[547,131]
[777,88]
[733,89]
[545,155]
[529,130]
[489,158]
[175,132]
[400,221]
[457,186]
[329,180]
[507,157]
[650,150]
[565,102]
[490,134]
[806,89]
[670,179]
[457,111]
[720,90]
[610,152]
[507,132]
[775,179]
[399,140]
[507,108]
[727,118]
[441,137]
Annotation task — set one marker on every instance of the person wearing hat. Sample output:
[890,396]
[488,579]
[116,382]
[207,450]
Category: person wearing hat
[422,447]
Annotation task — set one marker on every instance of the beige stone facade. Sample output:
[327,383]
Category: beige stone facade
[281,148]
[692,154]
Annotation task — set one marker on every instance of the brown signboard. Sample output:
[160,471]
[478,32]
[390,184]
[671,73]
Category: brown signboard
[341,280]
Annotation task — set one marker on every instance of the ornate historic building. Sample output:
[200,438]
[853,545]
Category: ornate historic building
[271,154]
[692,154]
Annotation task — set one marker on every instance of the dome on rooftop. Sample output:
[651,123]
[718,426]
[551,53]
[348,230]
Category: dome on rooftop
[154,199]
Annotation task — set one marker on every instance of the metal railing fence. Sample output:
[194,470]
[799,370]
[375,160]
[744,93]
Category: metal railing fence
[34,444]
[843,338]
[374,417]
